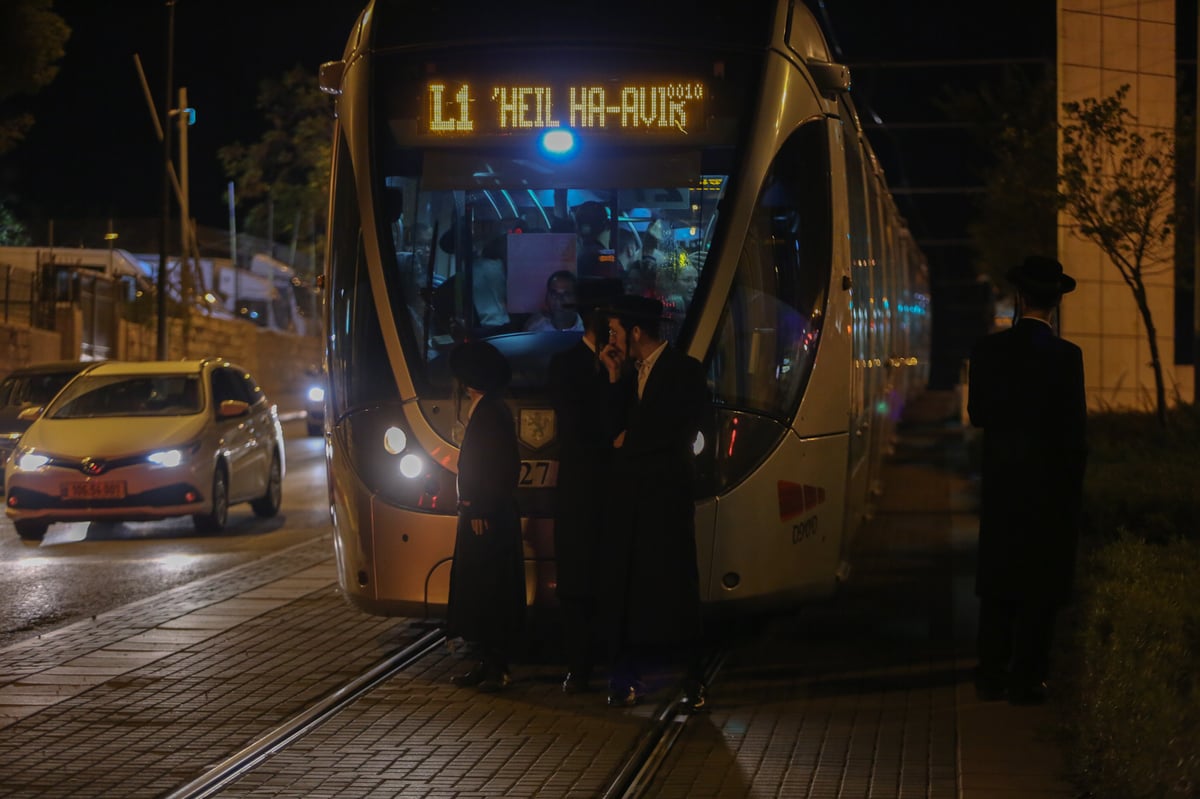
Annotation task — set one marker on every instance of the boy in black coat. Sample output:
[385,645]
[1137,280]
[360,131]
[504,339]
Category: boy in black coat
[487,578]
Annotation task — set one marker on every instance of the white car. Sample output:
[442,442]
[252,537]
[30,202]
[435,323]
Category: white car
[128,441]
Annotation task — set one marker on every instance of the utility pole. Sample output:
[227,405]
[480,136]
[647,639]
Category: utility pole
[161,283]
[1196,232]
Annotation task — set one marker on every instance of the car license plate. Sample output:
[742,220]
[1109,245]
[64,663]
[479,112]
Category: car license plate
[538,474]
[94,489]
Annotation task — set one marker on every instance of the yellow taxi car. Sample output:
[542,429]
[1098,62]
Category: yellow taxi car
[127,441]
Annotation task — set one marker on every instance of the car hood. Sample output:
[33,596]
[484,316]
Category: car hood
[111,437]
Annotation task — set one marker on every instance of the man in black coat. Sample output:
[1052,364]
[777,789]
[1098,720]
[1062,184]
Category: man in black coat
[581,393]
[1026,391]
[652,603]
[486,605]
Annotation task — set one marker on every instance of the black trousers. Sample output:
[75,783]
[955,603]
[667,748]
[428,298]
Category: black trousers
[1015,636]
[579,634]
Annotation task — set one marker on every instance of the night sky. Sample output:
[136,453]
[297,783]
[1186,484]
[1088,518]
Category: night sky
[93,151]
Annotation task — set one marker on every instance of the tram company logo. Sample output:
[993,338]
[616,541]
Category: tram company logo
[796,499]
[536,427]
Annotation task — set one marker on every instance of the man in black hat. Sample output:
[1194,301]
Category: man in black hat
[1026,391]
[582,394]
[487,577]
[652,606]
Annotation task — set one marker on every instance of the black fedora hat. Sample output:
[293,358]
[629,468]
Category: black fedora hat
[480,366]
[634,308]
[1040,274]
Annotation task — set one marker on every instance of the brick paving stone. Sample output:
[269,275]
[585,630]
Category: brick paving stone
[861,695]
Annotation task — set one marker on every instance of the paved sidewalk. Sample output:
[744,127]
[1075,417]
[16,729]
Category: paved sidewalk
[867,694]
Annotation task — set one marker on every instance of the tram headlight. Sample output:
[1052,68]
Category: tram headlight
[698,444]
[391,463]
[411,466]
[394,440]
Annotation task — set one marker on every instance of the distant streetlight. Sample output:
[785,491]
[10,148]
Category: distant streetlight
[111,238]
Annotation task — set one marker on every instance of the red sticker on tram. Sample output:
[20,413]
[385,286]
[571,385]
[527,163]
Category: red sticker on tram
[796,499]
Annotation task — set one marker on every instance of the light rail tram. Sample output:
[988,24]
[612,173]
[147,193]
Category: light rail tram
[711,158]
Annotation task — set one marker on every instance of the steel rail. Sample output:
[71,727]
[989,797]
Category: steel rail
[299,725]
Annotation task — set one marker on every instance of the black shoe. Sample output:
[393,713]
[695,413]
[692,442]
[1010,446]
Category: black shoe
[695,695]
[575,683]
[1028,694]
[625,695]
[472,678]
[496,680]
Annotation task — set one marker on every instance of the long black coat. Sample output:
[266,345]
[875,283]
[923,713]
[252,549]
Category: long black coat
[1026,391]
[487,577]
[581,394]
[652,583]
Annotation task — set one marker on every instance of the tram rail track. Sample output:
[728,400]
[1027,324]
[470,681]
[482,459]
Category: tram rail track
[630,779]
[670,719]
[250,756]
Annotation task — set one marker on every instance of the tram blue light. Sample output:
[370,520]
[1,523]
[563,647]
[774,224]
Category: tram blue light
[558,142]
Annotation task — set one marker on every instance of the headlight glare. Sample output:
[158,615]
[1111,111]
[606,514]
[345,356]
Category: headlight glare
[166,457]
[31,461]
[411,466]
[394,440]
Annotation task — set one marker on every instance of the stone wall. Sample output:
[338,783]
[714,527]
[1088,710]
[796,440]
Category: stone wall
[279,360]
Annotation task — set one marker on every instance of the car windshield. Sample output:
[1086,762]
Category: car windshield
[31,389]
[130,395]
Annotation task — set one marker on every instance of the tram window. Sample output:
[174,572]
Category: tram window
[765,347]
[497,245]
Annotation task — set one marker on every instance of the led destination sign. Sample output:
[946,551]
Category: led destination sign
[466,108]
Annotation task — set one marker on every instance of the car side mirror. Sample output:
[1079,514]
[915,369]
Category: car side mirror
[230,409]
[30,413]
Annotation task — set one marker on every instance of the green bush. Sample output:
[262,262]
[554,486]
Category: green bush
[1142,478]
[1133,708]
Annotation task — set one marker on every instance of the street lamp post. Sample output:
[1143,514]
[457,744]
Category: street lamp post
[161,282]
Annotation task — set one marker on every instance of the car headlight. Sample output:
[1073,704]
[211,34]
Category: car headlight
[30,461]
[316,394]
[166,457]
[170,458]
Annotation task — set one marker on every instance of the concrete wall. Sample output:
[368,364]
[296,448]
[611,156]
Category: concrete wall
[1104,44]
[277,360]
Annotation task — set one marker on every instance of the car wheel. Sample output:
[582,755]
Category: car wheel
[214,521]
[267,505]
[31,530]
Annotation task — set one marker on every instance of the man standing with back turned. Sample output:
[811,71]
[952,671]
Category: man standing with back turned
[1027,393]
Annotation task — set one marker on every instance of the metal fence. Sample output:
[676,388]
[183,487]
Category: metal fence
[33,298]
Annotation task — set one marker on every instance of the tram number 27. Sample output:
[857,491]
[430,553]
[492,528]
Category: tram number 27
[538,474]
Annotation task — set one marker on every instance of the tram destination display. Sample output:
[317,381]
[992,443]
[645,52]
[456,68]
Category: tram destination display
[465,108]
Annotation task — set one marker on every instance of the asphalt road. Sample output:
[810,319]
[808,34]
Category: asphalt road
[84,569]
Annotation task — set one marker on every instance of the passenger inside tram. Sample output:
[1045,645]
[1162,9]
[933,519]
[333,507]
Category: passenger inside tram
[522,249]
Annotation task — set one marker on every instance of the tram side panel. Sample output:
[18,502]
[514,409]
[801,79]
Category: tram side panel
[780,532]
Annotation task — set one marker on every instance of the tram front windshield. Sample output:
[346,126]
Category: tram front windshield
[488,246]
